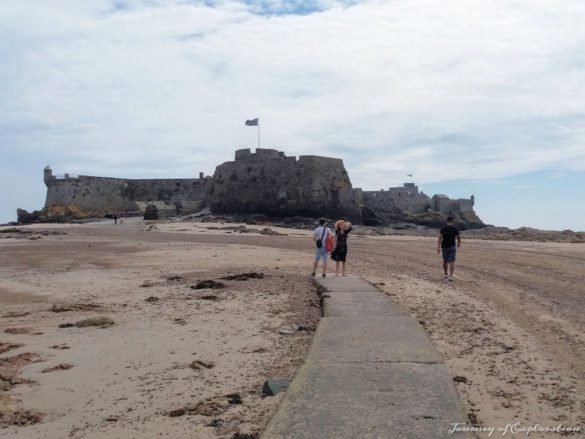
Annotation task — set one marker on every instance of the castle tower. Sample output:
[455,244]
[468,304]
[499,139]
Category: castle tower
[48,174]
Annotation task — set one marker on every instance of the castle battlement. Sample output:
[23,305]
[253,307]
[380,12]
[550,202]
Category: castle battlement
[261,153]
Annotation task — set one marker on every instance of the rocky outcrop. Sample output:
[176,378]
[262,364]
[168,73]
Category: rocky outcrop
[56,213]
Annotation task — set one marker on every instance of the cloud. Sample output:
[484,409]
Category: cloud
[447,90]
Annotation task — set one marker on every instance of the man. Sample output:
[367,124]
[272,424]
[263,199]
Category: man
[446,244]
[320,235]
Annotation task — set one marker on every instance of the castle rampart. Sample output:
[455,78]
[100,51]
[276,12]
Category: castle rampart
[395,200]
[120,194]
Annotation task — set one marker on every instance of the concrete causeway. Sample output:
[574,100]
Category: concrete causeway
[371,373]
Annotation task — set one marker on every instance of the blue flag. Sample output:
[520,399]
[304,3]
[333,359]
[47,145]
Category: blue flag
[252,123]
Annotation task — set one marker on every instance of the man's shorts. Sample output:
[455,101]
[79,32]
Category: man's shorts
[321,253]
[449,254]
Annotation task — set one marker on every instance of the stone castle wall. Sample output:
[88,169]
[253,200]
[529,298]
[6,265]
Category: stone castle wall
[271,183]
[118,194]
[407,203]
[395,203]
[395,200]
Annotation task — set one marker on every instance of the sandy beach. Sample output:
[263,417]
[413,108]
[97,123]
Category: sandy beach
[185,362]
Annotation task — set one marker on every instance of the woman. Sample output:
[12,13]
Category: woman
[342,229]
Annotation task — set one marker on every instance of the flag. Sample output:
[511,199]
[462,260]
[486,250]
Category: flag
[252,123]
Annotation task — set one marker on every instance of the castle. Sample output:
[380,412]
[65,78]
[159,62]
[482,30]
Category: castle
[262,182]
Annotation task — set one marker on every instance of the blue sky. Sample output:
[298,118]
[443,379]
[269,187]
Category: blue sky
[469,96]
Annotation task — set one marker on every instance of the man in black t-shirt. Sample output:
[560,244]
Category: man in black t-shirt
[447,245]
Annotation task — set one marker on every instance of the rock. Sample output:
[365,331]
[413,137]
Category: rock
[112,418]
[460,379]
[24,217]
[305,328]
[57,213]
[244,436]
[16,314]
[244,276]
[5,347]
[177,412]
[275,386]
[234,398]
[286,331]
[269,232]
[212,297]
[212,406]
[207,284]
[102,322]
[62,366]
[18,330]
[66,325]
[146,284]
[369,217]
[9,367]
[152,299]
[22,418]
[151,213]
[74,307]
[199,365]
[174,278]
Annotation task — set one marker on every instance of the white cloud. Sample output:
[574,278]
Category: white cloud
[458,89]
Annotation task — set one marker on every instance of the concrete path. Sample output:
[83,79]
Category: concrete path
[371,372]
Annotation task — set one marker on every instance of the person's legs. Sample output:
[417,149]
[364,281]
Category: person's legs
[452,263]
[316,263]
[324,256]
[449,262]
[336,268]
[343,267]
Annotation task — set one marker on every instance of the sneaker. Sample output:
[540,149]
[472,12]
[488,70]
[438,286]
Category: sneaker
[446,276]
[313,274]
[451,279]
[323,275]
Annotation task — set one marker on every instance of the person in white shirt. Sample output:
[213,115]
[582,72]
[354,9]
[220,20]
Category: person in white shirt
[320,235]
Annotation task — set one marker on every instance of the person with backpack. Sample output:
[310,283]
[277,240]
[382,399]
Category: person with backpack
[342,229]
[320,236]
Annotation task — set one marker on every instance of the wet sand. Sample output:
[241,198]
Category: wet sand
[511,327]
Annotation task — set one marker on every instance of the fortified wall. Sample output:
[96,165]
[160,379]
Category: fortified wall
[271,183]
[397,202]
[263,182]
[397,199]
[120,194]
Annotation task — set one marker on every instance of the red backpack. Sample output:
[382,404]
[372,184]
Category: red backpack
[329,242]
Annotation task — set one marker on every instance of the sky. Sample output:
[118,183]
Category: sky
[471,97]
